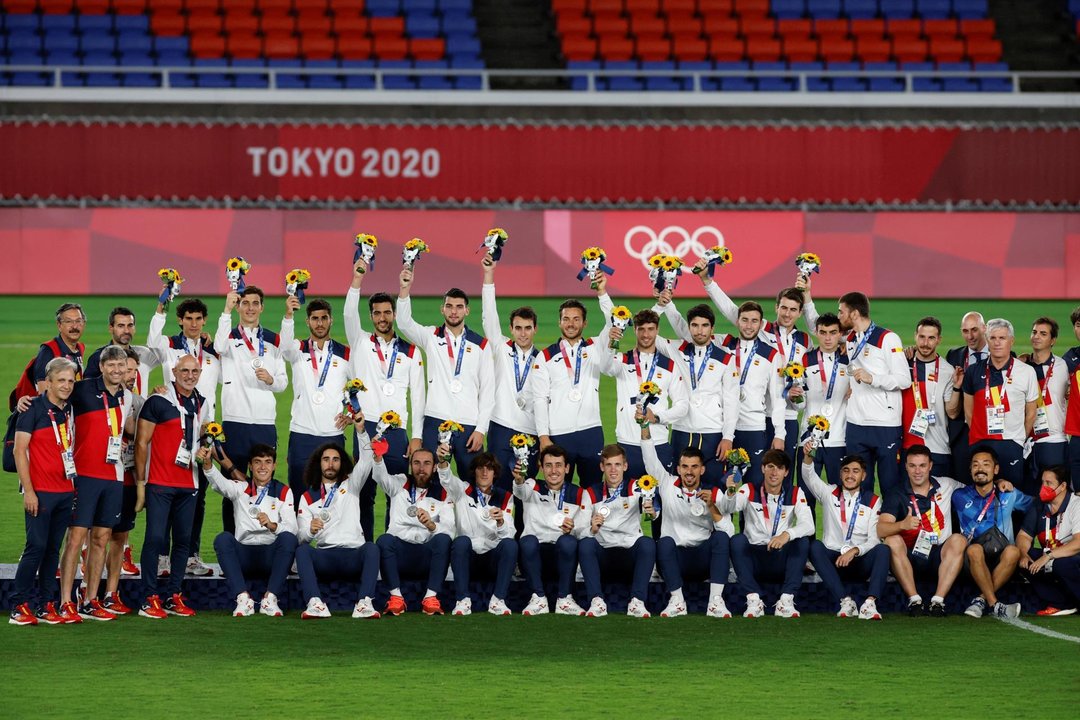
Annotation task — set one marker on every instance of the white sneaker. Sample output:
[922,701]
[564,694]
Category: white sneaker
[269,605]
[848,608]
[1003,610]
[315,609]
[498,607]
[598,608]
[538,605]
[717,608]
[785,609]
[245,606]
[869,610]
[755,608]
[567,606]
[673,609]
[163,566]
[637,609]
[196,567]
[976,608]
[463,607]
[364,610]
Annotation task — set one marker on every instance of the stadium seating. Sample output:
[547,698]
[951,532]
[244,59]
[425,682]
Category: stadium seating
[240,37]
[868,38]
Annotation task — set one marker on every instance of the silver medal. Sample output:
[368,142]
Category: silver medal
[324,515]
[253,511]
[491,511]
[603,511]
[697,507]
[520,402]
[388,389]
[319,397]
[455,386]
[256,362]
[557,519]
[827,410]
[411,511]
[574,395]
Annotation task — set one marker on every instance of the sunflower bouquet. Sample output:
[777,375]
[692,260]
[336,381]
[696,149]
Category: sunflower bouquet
[350,395]
[620,318]
[494,241]
[648,393]
[235,270]
[647,486]
[366,244]
[447,430]
[794,374]
[592,264]
[807,263]
[817,429]
[389,420]
[170,277]
[738,459]
[714,257]
[412,251]
[670,271]
[212,434]
[522,446]
[296,282]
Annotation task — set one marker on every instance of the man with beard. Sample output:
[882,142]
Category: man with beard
[121,331]
[985,515]
[329,515]
[420,531]
[1054,568]
[1052,374]
[394,370]
[930,398]
[463,385]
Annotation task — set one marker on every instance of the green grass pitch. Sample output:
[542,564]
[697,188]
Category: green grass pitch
[816,667]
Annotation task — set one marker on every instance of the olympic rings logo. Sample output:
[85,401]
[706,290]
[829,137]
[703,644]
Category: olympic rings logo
[688,244]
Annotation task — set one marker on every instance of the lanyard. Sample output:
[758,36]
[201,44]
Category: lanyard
[843,515]
[412,494]
[652,367]
[1044,383]
[577,361]
[262,492]
[388,370]
[930,517]
[1006,376]
[198,346]
[328,499]
[183,415]
[450,351]
[250,347]
[326,363]
[919,388]
[480,498]
[1050,540]
[63,437]
[832,378]
[765,509]
[562,495]
[862,343]
[780,344]
[695,375]
[114,422]
[738,359]
[986,506]
[610,496]
[519,377]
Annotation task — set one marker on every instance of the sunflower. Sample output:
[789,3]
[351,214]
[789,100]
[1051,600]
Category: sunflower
[292,278]
[417,244]
[366,239]
[170,275]
[391,418]
[793,370]
[214,431]
[620,312]
[819,422]
[498,232]
[725,255]
[592,253]
[522,440]
[355,385]
[646,483]
[238,263]
[809,258]
[451,426]
[738,456]
[671,263]
[656,261]
[649,388]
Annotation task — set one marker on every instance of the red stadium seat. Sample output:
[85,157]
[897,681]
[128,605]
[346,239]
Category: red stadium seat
[570,24]
[580,48]
[391,47]
[275,5]
[165,5]
[55,7]
[241,22]
[794,28]
[313,21]
[316,47]
[755,26]
[715,7]
[207,45]
[90,7]
[836,49]
[799,49]
[613,47]
[168,23]
[868,28]
[308,6]
[749,7]
[202,6]
[831,28]
[720,25]
[729,48]
[641,7]
[873,49]
[904,27]
[689,49]
[606,7]
[611,25]
[244,46]
[350,23]
[352,46]
[20,7]
[983,50]
[204,22]
[277,22]
[653,49]
[281,46]
[427,48]
[129,7]
[559,6]
[947,50]
[387,26]
[763,49]
[683,26]
[981,27]
[909,49]
[647,26]
[939,28]
[683,7]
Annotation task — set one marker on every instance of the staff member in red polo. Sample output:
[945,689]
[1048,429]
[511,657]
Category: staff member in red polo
[168,431]
[46,466]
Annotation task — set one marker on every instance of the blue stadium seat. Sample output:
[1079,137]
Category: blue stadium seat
[171,44]
[173,58]
[61,57]
[434,82]
[448,5]
[459,25]
[102,80]
[788,8]
[774,83]
[581,82]
[22,23]
[662,83]
[324,82]
[1074,8]
[462,44]
[823,8]
[468,82]
[30,79]
[968,9]
[58,22]
[95,23]
[466,62]
[382,8]
[421,26]
[934,9]
[132,23]
[25,57]
[98,43]
[64,40]
[135,58]
[136,41]
[99,58]
[212,80]
[24,43]
[861,9]
[140,80]
[427,6]
[882,83]
[898,8]
[358,82]
[812,82]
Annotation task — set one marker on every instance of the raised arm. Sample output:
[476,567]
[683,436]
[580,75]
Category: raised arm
[413,331]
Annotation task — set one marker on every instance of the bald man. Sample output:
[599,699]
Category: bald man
[975,348]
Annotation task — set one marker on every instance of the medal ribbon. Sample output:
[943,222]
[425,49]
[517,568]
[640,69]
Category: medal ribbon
[250,347]
[609,496]
[862,343]
[450,351]
[326,363]
[262,493]
[920,387]
[780,344]
[328,499]
[198,345]
[637,366]
[695,375]
[843,516]
[388,370]
[832,378]
[577,361]
[929,518]
[1044,384]
[738,360]
[519,378]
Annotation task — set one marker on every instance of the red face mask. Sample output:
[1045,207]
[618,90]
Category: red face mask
[1047,494]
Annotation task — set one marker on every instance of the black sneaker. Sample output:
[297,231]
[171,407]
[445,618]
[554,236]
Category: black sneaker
[937,609]
[915,608]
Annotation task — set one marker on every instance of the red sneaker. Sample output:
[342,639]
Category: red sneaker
[115,605]
[1052,611]
[22,615]
[128,568]
[395,605]
[49,616]
[431,606]
[175,606]
[69,614]
[94,610]
[152,608]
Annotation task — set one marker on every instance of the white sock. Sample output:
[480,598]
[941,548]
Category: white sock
[677,596]
[396,591]
[716,589]
[429,593]
[937,599]
[915,598]
[787,597]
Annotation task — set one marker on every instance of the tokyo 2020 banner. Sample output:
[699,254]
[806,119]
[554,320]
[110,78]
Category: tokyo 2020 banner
[486,163]
[963,255]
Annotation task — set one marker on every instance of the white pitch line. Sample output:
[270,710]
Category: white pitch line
[1024,625]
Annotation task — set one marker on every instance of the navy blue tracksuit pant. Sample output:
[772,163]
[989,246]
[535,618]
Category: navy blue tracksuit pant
[540,561]
[598,561]
[167,508]
[497,564]
[41,555]
[708,561]
[428,560]
[241,562]
[758,561]
[313,564]
[873,566]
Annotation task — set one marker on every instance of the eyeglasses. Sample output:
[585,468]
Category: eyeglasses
[76,321]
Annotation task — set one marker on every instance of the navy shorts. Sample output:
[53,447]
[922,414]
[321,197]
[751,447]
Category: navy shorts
[98,503]
[127,511]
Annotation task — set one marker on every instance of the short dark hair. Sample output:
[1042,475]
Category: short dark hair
[1061,472]
[263,450]
[192,305]
[1047,321]
[693,452]
[984,448]
[69,306]
[776,457]
[857,302]
[313,468]
[918,449]
[929,321]
[121,310]
[612,450]
[751,306]
[827,320]
[485,460]
[791,293]
[553,451]
[381,297]
[854,458]
[131,354]
[525,313]
[646,317]
[254,290]
[1074,317]
[701,311]
[457,294]
[574,304]
[319,304]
